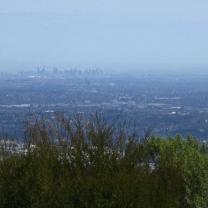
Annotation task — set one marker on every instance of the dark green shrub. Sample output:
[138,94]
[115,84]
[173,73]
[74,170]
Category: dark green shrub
[87,164]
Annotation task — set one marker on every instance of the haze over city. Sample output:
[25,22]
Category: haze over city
[103,31]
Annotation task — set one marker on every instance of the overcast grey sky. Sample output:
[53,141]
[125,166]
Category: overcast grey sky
[138,31]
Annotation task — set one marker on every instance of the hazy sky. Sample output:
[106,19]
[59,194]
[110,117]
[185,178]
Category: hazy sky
[139,31]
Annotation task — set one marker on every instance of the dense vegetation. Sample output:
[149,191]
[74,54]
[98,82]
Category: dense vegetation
[80,163]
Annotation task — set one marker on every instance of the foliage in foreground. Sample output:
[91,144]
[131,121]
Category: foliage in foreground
[89,164]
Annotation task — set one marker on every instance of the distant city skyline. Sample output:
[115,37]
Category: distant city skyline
[98,31]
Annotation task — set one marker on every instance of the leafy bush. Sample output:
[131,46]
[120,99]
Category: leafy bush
[87,163]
